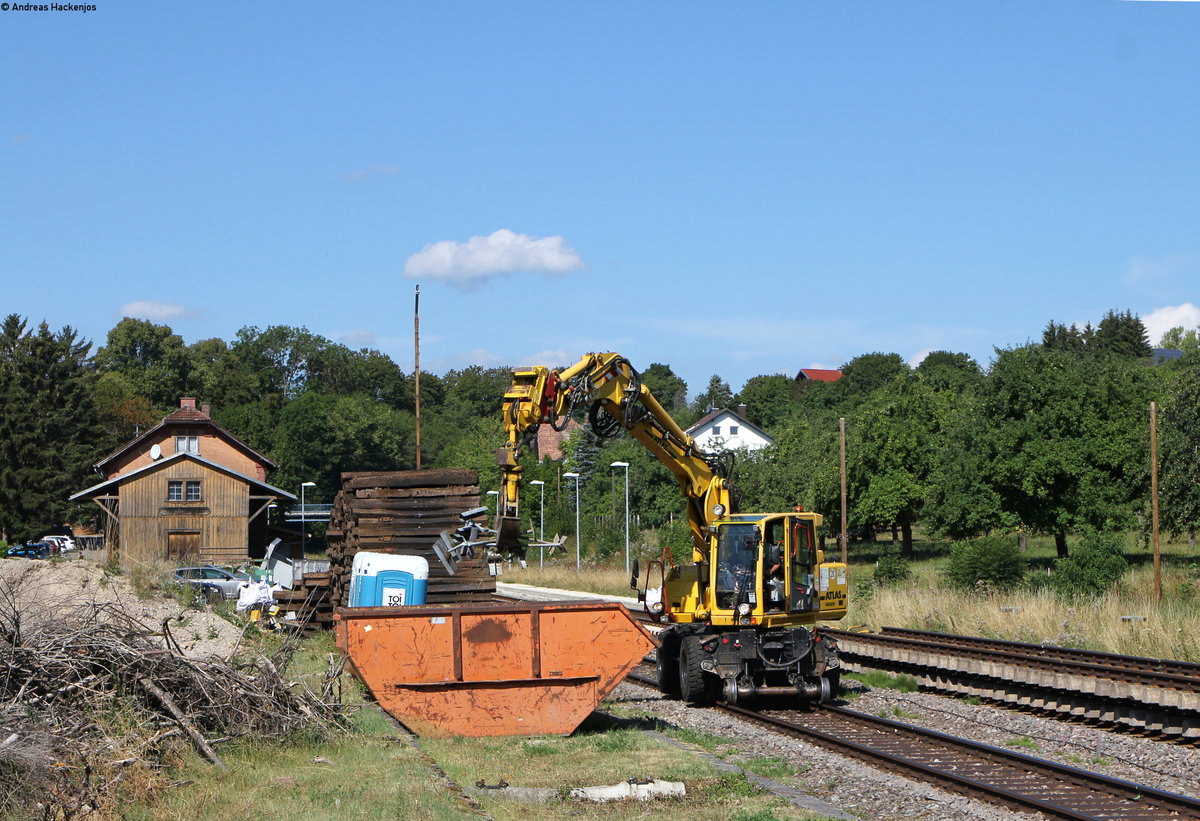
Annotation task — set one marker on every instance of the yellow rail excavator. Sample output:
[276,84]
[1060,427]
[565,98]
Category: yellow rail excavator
[743,615]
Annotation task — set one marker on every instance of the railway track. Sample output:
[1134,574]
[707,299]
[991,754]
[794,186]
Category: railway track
[1154,697]
[1150,697]
[969,768]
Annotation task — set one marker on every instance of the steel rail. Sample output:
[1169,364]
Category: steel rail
[987,650]
[974,769]
[1185,669]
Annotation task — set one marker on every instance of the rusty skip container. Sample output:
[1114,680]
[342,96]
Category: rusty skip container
[522,668]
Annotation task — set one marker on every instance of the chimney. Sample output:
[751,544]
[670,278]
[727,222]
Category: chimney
[187,402]
[741,411]
[206,409]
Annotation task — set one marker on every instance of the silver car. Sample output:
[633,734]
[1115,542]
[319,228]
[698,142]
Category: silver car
[211,578]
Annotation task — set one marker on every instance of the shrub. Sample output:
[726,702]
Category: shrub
[677,537]
[990,563]
[1092,570]
[891,569]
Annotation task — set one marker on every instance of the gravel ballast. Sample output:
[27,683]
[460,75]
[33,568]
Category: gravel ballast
[868,793]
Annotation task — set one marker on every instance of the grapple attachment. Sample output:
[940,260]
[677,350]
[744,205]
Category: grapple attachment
[508,536]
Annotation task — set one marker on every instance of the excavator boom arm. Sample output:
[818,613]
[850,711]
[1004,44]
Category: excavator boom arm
[613,388]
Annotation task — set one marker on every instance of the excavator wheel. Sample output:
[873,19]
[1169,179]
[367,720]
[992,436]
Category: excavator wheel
[508,536]
[668,663]
[692,686]
[835,684]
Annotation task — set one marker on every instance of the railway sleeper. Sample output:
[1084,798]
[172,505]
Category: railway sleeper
[1165,722]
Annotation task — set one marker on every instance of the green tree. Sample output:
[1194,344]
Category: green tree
[318,436]
[218,375]
[1181,339]
[1065,442]
[769,399]
[1122,334]
[890,453]
[717,395]
[669,389]
[151,357]
[123,412]
[50,433]
[943,370]
[864,374]
[1179,454]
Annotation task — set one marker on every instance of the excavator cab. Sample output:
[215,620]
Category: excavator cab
[737,577]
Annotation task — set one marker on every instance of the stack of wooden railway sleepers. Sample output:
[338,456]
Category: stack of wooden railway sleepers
[310,600]
[402,512]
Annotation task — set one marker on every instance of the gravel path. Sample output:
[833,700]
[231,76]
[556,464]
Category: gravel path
[872,794]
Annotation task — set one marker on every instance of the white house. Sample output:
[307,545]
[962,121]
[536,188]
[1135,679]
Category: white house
[724,429]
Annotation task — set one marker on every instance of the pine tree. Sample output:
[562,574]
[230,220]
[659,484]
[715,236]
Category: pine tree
[50,434]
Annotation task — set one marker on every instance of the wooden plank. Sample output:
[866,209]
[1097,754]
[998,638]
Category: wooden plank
[466,491]
[410,479]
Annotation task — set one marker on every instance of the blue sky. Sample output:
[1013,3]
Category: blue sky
[728,188]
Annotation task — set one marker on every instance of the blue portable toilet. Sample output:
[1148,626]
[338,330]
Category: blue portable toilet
[385,580]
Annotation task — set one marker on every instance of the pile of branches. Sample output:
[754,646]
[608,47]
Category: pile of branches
[89,697]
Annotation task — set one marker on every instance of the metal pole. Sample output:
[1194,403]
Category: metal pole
[417,369]
[627,520]
[626,466]
[575,476]
[304,517]
[1158,594]
[842,448]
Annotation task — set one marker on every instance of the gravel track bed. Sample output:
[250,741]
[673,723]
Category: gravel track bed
[872,794]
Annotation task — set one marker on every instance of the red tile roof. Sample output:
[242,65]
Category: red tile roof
[819,375]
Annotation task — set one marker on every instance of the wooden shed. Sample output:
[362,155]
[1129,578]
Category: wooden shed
[186,490]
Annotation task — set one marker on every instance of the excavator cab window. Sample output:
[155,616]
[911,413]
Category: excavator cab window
[737,555]
[803,560]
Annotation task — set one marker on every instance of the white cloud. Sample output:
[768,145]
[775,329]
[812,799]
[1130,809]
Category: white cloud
[466,263]
[154,311]
[1161,320]
[372,171]
[1146,270]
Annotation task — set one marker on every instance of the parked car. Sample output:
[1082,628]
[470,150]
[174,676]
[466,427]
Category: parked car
[32,550]
[60,544]
[207,576]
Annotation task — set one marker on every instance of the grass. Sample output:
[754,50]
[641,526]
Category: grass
[372,773]
[885,681]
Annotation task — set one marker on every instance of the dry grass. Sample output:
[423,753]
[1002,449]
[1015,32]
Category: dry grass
[610,581]
[1171,630]
[1167,630]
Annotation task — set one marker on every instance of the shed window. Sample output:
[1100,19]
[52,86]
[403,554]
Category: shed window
[187,444]
[716,430]
[733,430]
[179,490]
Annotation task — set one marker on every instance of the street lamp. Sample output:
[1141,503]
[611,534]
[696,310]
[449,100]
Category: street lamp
[541,521]
[575,476]
[626,466]
[304,518]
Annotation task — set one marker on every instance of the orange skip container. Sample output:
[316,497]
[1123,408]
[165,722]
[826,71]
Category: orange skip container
[526,668]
